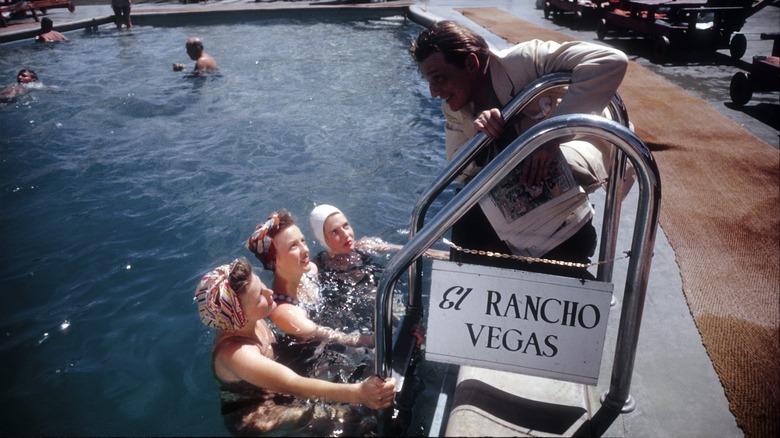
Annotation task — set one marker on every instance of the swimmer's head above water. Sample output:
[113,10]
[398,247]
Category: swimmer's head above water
[219,296]
[332,229]
[218,302]
[317,220]
[26,76]
[261,242]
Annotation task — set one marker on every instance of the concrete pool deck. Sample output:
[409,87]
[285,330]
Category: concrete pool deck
[674,385]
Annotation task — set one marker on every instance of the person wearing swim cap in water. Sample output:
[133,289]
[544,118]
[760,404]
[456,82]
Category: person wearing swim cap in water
[348,273]
[334,232]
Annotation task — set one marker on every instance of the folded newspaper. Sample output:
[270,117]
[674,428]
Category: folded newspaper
[532,220]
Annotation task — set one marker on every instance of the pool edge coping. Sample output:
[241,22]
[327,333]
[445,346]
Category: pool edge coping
[143,16]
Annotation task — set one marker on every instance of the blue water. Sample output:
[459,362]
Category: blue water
[122,182]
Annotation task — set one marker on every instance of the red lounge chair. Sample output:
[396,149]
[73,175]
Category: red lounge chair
[764,74]
[21,8]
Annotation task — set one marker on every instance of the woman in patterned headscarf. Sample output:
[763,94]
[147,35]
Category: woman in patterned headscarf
[254,387]
[280,245]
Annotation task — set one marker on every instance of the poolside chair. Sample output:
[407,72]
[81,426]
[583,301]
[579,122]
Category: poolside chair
[19,10]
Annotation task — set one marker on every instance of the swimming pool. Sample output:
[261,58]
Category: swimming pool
[123,182]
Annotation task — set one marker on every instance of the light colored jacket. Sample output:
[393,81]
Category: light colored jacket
[596,74]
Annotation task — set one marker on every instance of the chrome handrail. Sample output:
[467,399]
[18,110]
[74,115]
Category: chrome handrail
[617,111]
[462,159]
[613,201]
[617,398]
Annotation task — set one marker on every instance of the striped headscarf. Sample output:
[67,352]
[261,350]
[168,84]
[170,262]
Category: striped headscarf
[262,244]
[218,304]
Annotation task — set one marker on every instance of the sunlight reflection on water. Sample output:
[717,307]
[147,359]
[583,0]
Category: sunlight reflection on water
[123,182]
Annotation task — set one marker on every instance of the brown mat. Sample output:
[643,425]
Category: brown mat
[726,240]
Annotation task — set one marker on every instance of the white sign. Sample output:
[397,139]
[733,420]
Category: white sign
[516,321]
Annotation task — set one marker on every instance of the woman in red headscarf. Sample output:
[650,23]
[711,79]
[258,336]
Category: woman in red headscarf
[280,245]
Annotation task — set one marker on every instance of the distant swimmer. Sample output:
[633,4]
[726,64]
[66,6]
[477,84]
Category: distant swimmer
[47,32]
[204,63]
[25,80]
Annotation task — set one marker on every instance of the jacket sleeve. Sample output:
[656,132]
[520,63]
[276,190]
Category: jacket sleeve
[458,130]
[597,72]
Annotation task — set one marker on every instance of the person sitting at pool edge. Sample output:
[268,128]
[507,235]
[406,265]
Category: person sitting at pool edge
[47,32]
[232,299]
[204,63]
[280,245]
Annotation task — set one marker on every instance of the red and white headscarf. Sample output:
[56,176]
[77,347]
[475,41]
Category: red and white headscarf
[262,244]
[218,305]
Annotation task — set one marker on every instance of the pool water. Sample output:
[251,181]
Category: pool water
[123,182]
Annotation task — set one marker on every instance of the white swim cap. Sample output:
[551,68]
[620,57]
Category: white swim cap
[317,222]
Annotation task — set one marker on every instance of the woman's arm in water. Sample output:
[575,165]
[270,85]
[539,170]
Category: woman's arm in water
[294,321]
[376,244]
[247,363]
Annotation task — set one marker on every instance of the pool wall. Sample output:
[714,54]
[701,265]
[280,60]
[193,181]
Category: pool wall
[234,15]
[174,15]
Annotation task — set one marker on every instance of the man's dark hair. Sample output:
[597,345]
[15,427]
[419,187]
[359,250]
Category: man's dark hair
[26,70]
[452,39]
[46,24]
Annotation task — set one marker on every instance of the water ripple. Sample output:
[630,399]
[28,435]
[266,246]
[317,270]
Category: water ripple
[122,185]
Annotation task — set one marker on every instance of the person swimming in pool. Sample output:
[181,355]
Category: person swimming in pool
[344,258]
[47,33]
[348,273]
[343,253]
[280,245]
[259,393]
[26,79]
[204,63]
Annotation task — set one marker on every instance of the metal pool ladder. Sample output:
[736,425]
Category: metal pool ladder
[395,358]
